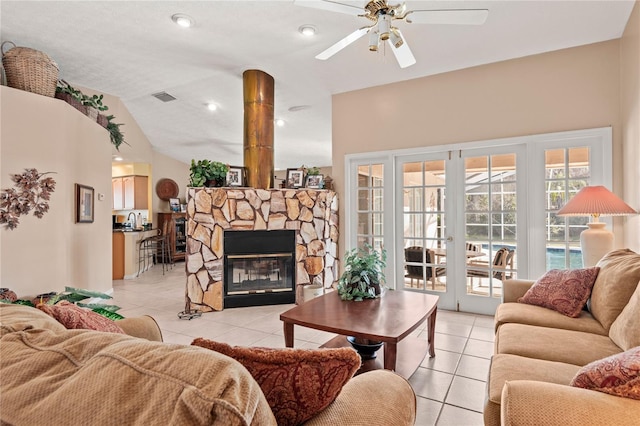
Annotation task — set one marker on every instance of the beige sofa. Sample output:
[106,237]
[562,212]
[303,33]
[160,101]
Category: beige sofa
[51,375]
[538,352]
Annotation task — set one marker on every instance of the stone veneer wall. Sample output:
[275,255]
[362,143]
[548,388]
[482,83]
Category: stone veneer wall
[313,214]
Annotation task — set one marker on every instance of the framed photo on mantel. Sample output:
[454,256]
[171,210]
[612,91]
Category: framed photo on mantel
[295,178]
[314,181]
[235,176]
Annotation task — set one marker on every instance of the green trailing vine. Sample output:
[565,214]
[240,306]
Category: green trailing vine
[95,101]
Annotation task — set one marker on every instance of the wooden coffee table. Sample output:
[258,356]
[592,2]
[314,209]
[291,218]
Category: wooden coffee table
[389,319]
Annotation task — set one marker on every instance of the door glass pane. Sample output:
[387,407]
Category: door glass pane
[424,226]
[567,171]
[370,214]
[490,223]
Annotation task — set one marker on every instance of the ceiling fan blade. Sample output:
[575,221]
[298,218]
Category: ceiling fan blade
[333,6]
[448,16]
[343,43]
[403,54]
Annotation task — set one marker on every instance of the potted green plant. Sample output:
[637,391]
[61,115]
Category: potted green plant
[363,274]
[207,173]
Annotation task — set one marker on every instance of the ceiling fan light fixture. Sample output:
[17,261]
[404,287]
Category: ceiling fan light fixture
[395,38]
[307,30]
[182,20]
[384,24]
[374,40]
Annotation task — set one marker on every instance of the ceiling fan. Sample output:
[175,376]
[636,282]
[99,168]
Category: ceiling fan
[383,16]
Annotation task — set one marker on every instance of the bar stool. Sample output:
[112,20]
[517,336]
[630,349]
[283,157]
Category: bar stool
[153,248]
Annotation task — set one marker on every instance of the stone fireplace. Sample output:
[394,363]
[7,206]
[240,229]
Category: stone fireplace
[311,215]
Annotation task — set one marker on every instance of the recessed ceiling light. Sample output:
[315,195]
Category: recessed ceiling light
[117,158]
[185,21]
[307,30]
[211,106]
[279,122]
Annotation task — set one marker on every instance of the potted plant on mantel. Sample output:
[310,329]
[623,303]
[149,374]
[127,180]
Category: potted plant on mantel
[207,173]
[363,278]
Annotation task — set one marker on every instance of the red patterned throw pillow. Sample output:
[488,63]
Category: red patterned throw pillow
[563,290]
[616,375]
[298,383]
[73,316]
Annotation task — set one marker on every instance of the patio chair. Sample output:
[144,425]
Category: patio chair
[415,255]
[502,266]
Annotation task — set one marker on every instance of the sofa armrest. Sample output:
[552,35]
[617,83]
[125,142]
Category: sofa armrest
[378,397]
[515,289]
[144,327]
[526,402]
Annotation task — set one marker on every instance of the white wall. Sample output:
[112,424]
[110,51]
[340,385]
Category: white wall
[48,254]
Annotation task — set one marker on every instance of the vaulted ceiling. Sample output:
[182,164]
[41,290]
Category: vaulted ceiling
[133,49]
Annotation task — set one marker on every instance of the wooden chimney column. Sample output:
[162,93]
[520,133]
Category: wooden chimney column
[258,90]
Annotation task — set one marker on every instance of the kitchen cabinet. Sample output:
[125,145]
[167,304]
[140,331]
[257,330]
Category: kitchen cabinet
[177,233]
[130,193]
[126,262]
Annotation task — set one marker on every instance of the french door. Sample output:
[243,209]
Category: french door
[458,220]
[457,224]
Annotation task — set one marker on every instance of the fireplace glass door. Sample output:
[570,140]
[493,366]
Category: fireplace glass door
[259,273]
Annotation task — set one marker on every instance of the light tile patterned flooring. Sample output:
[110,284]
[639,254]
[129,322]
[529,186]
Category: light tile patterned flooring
[450,387]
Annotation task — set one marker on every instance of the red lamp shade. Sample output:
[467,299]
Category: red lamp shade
[595,201]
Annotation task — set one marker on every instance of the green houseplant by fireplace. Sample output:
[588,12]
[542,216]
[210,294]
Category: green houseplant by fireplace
[363,274]
[207,173]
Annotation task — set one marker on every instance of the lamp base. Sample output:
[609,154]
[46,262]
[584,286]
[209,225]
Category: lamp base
[595,243]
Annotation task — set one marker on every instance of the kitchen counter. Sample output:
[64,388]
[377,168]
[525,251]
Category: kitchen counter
[125,252]
[135,230]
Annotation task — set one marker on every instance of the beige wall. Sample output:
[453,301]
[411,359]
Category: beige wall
[564,90]
[53,252]
[630,117]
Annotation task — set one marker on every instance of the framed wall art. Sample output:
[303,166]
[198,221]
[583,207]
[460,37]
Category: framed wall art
[84,203]
[235,176]
[315,181]
[295,178]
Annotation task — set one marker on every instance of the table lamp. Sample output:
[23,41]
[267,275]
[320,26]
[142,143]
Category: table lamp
[595,201]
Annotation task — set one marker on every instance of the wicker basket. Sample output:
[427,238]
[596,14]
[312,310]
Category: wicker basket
[30,70]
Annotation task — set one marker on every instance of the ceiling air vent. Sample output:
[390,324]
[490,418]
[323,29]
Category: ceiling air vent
[164,96]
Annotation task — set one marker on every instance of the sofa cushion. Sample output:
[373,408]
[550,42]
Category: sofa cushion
[616,282]
[562,290]
[20,317]
[73,317]
[625,330]
[535,315]
[298,383]
[78,377]
[616,375]
[551,344]
[506,367]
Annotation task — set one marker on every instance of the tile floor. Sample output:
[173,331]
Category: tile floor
[450,387]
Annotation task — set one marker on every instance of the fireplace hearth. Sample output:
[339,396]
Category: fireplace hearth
[259,268]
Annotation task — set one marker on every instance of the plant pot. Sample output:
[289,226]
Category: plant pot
[72,101]
[214,183]
[92,113]
[366,348]
[102,120]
